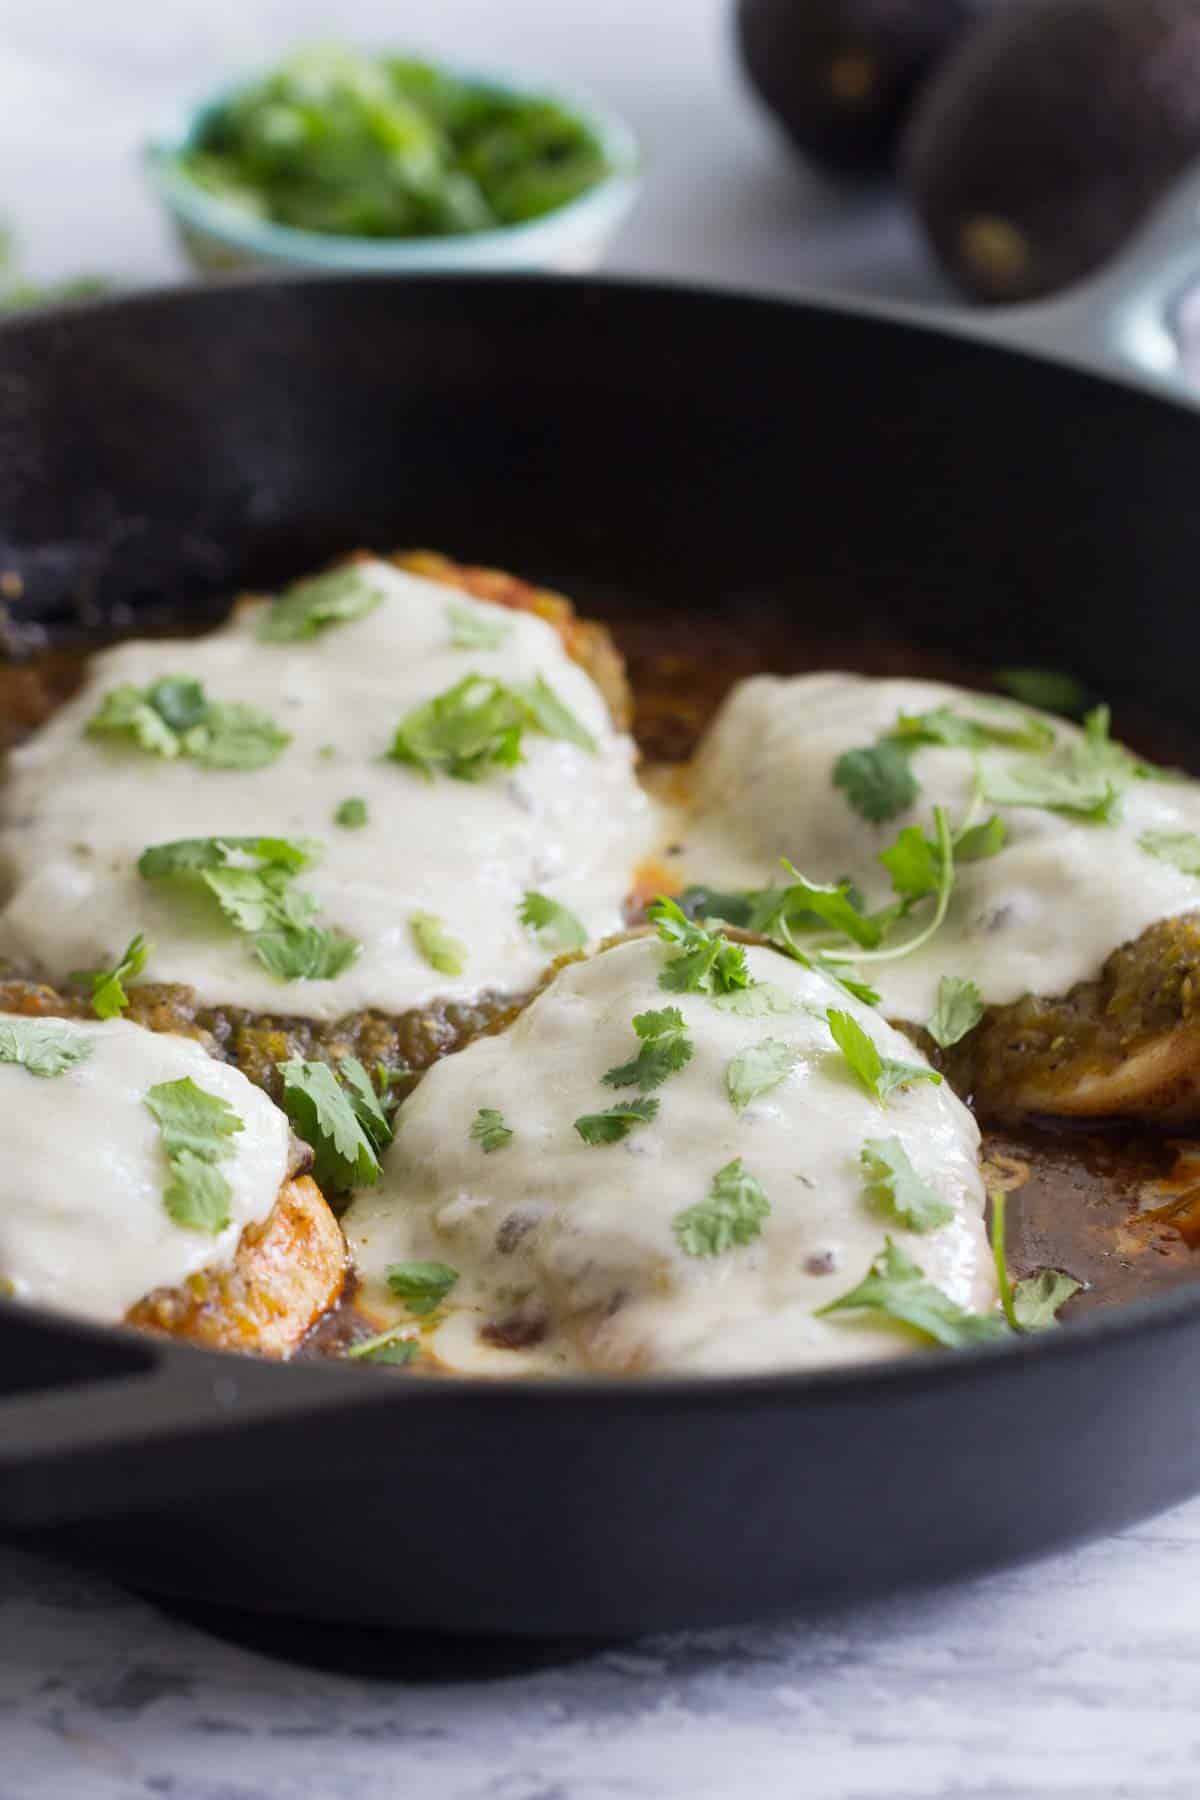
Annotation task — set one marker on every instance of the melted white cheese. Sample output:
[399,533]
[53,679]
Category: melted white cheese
[83,1227]
[586,1233]
[1043,914]
[78,811]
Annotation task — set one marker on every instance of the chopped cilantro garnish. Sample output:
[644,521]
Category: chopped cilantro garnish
[805,904]
[43,1047]
[392,1347]
[705,961]
[1179,848]
[555,924]
[703,903]
[895,1187]
[877,1074]
[478,724]
[473,628]
[1031,1304]
[1069,788]
[489,1130]
[959,1009]
[945,726]
[343,1121]
[616,1122]
[731,1213]
[311,606]
[109,998]
[978,842]
[421,1285]
[257,897]
[896,1288]
[174,717]
[665,1049]
[196,1129]
[1045,688]
[441,951]
[759,1069]
[878,781]
[352,813]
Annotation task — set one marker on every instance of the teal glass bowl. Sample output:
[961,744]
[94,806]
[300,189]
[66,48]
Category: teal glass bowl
[218,238]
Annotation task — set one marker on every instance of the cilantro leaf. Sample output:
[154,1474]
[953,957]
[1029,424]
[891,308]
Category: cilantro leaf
[665,1049]
[705,961]
[1031,1304]
[259,899]
[352,813]
[759,1069]
[197,1197]
[702,903]
[421,1285]
[473,628]
[307,953]
[311,606]
[554,923]
[174,717]
[913,863]
[192,1120]
[43,1047]
[896,1288]
[233,736]
[1045,688]
[877,1074]
[807,902]
[478,724]
[549,715]
[342,1130]
[391,1347]
[731,1213]
[1069,789]
[877,781]
[109,998]
[369,1109]
[196,1128]
[189,856]
[894,1186]
[959,1009]
[1179,848]
[616,1122]
[945,726]
[1036,1299]
[978,842]
[489,1130]
[441,951]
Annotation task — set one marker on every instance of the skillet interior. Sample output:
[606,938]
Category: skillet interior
[800,471]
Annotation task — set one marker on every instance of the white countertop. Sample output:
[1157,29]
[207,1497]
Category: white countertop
[1073,1680]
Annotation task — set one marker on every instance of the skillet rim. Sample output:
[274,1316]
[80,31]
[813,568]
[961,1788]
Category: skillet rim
[1110,1325]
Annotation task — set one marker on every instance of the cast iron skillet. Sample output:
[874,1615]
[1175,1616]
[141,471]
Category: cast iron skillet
[624,443]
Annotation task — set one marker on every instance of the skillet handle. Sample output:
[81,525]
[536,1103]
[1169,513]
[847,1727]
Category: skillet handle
[105,1420]
[1125,319]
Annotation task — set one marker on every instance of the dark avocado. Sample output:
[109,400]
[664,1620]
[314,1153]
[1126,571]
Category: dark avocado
[840,74]
[1049,134]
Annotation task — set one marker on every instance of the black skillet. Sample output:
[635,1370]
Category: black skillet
[861,476]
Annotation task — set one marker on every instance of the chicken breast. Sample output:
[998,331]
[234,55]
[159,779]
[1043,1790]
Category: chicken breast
[333,810]
[1076,872]
[140,1179]
[636,1178]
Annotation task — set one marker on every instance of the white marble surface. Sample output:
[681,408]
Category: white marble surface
[1073,1680]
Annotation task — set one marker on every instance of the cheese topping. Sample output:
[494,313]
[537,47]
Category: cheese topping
[83,1226]
[567,822]
[576,1250]
[1036,918]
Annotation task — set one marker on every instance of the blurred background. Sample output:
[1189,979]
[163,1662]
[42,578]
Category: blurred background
[940,151]
[82,87]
